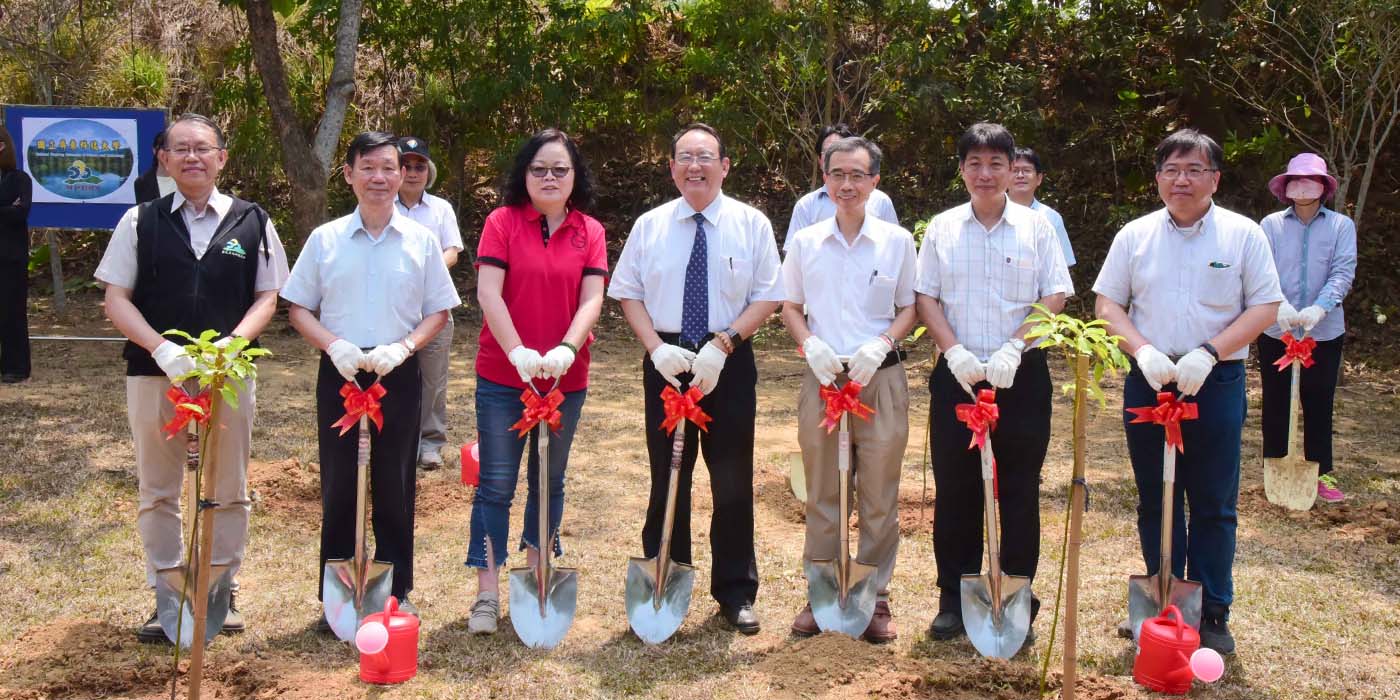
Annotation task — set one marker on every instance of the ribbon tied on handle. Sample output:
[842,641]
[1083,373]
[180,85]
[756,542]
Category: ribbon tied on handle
[539,409]
[1300,350]
[1168,413]
[683,406]
[842,401]
[980,417]
[187,408]
[361,402]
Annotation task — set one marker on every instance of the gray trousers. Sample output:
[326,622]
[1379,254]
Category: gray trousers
[434,362]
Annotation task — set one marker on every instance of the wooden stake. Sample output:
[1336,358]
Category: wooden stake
[206,544]
[1076,526]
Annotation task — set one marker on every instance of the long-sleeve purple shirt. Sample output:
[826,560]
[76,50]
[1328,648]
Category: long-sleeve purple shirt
[1316,264]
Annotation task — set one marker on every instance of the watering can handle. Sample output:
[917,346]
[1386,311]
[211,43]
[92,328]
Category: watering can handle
[1172,611]
[391,606]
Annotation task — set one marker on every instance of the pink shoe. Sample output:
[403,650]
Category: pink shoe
[1327,489]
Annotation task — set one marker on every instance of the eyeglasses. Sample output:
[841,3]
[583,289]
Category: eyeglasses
[201,151]
[702,158]
[1023,172]
[415,167]
[855,177]
[1172,172]
[558,171]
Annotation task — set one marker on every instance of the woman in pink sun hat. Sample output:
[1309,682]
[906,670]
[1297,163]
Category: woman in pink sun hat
[1315,252]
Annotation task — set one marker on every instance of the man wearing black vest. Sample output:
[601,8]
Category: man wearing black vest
[192,260]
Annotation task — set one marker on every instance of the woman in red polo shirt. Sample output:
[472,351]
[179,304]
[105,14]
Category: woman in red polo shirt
[541,266]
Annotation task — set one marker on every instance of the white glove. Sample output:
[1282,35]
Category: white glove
[1307,318]
[526,362]
[346,357]
[965,366]
[173,360]
[671,360]
[1287,316]
[706,368]
[384,358]
[1156,368]
[867,360]
[822,359]
[1191,371]
[1001,366]
[223,342]
[556,362]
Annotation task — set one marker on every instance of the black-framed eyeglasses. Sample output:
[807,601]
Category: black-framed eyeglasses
[1172,172]
[558,171]
[855,177]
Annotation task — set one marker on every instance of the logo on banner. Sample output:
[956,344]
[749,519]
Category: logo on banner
[80,159]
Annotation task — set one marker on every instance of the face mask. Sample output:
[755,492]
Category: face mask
[1303,190]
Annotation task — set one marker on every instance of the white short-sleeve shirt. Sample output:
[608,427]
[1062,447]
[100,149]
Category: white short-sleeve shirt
[1183,288]
[1059,223]
[741,261]
[371,291]
[987,279]
[851,290]
[436,214]
[817,206]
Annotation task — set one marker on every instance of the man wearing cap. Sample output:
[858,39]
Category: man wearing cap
[192,260]
[369,289]
[1188,286]
[436,215]
[697,276]
[818,205]
[1314,250]
[855,275]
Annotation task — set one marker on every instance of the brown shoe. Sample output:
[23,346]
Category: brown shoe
[881,627]
[805,625]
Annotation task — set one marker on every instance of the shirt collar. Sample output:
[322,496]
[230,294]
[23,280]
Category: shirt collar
[1322,211]
[711,212]
[218,200]
[533,215]
[1010,214]
[1205,225]
[422,202]
[868,230]
[357,224]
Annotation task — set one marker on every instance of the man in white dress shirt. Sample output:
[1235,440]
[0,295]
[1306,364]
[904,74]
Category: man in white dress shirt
[818,205]
[981,267]
[1026,177]
[697,276]
[1188,286]
[855,275]
[368,290]
[434,359]
[192,260]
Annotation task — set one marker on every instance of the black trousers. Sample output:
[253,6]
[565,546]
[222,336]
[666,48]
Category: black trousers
[14,318]
[1317,388]
[392,477]
[728,448]
[1019,442]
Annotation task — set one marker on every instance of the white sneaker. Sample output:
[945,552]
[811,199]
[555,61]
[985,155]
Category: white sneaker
[485,611]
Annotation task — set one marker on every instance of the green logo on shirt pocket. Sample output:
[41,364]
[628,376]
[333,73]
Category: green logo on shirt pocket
[234,248]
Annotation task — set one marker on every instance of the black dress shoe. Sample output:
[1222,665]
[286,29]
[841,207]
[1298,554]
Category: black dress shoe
[14,378]
[1215,634]
[151,632]
[740,617]
[947,625]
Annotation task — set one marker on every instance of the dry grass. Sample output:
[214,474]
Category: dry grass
[1316,615]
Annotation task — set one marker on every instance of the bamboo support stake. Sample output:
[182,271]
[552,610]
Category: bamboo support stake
[206,544]
[1078,495]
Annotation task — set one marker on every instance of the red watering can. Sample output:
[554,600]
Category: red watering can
[1169,655]
[388,644]
[471,464]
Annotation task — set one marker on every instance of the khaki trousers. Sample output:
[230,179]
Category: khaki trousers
[434,363]
[160,471]
[877,455]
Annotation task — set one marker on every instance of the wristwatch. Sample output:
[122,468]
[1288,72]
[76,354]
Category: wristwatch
[1019,344]
[734,337]
[408,343]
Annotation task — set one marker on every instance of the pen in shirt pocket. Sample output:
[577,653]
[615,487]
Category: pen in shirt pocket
[1216,264]
[873,275]
[731,263]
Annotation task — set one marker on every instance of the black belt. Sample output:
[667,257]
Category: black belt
[675,339]
[893,358]
[1219,363]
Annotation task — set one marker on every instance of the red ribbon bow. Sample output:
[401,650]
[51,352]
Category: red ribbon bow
[1168,413]
[841,401]
[980,417]
[361,402]
[1295,349]
[539,408]
[187,408]
[681,407]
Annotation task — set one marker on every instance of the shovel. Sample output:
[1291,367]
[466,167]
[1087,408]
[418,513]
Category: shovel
[1291,481]
[842,592]
[175,590]
[353,589]
[658,589]
[1148,596]
[996,607]
[542,598]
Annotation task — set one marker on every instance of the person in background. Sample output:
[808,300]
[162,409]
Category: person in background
[16,192]
[1314,250]
[155,182]
[1026,177]
[434,359]
[541,265]
[818,205]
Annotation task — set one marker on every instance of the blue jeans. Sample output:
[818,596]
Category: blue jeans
[1207,479]
[497,407]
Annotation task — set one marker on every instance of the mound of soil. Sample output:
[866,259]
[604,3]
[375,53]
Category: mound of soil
[1365,521]
[286,487]
[772,492]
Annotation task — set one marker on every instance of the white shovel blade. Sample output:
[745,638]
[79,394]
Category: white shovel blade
[655,620]
[542,626]
[993,636]
[824,593]
[173,616]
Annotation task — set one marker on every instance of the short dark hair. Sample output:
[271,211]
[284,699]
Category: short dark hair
[158,143]
[368,141]
[851,144]
[986,135]
[1028,155]
[698,126]
[839,128]
[9,160]
[1190,141]
[191,117]
[513,193]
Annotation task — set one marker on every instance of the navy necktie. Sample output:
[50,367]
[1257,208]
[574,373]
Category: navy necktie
[695,305]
